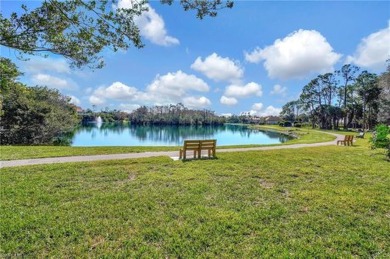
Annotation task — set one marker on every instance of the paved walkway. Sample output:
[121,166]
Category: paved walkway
[172,154]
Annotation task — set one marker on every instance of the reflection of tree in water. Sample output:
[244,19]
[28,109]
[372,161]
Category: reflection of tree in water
[174,134]
[275,135]
[105,128]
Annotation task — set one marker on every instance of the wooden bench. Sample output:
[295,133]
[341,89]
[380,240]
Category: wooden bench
[197,146]
[347,141]
[208,145]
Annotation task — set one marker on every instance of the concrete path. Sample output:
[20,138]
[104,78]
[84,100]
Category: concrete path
[172,154]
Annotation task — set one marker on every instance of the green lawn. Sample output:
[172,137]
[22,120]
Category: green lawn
[299,203]
[23,152]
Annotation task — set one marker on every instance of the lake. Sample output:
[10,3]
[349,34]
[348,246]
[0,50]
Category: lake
[115,134]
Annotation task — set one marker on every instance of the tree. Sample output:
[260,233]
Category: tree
[348,73]
[368,90]
[79,30]
[312,101]
[8,73]
[32,115]
[383,114]
[35,115]
[290,111]
[329,86]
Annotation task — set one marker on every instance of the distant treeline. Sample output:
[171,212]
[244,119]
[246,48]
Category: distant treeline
[348,97]
[158,115]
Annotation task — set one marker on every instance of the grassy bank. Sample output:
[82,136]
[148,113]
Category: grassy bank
[24,152]
[314,202]
[301,135]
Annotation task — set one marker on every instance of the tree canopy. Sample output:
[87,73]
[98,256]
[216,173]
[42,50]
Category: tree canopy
[384,97]
[32,115]
[79,30]
[358,99]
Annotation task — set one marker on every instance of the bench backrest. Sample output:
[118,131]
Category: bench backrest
[200,144]
[191,144]
[208,144]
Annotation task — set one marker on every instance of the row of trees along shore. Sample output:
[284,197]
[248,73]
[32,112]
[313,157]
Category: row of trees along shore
[357,99]
[158,115]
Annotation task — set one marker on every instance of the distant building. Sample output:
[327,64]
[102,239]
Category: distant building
[272,120]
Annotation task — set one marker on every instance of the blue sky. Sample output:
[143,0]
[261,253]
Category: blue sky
[253,58]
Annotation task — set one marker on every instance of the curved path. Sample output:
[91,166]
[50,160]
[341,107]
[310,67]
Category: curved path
[172,154]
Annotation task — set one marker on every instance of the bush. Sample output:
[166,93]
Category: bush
[298,125]
[35,115]
[379,138]
[285,124]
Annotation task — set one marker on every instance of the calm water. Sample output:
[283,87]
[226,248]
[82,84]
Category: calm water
[109,134]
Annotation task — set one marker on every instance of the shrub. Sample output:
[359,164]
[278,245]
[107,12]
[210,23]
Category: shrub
[379,138]
[298,125]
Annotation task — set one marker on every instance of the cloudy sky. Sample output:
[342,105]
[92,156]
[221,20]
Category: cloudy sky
[254,57]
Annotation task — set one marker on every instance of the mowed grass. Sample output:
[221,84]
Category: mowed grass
[310,202]
[25,152]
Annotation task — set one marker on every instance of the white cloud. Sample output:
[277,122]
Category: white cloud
[170,88]
[247,90]
[296,56]
[228,100]
[53,82]
[373,51]
[95,100]
[151,25]
[279,90]
[116,91]
[40,65]
[74,100]
[128,107]
[196,103]
[270,110]
[257,109]
[119,90]
[257,106]
[218,68]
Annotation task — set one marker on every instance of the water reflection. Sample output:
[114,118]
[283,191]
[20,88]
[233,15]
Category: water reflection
[124,134]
